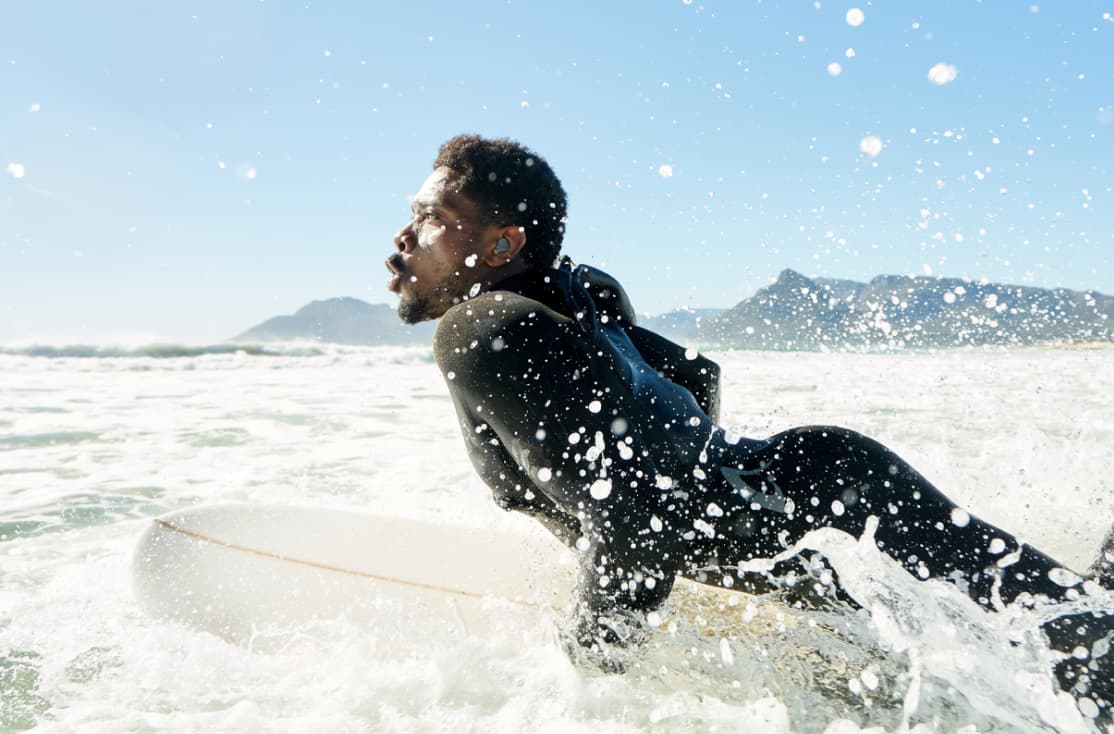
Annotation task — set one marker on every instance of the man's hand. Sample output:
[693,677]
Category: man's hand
[608,642]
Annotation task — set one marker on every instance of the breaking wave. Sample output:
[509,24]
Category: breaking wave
[168,351]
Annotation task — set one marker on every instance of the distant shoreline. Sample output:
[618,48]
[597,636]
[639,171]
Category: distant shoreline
[318,349]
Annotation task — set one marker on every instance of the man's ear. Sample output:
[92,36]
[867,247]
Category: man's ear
[505,248]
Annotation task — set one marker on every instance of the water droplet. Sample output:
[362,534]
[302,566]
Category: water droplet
[600,489]
[1063,577]
[941,73]
[871,145]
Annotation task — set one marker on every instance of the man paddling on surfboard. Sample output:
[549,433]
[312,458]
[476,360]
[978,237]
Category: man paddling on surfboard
[607,432]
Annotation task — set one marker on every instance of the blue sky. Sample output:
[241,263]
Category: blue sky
[183,170]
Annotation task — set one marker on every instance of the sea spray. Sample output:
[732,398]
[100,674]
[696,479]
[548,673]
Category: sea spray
[354,428]
[998,662]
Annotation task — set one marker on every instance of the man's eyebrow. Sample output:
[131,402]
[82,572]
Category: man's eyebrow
[417,205]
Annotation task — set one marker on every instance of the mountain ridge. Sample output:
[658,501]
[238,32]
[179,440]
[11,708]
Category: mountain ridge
[794,312]
[899,311]
[343,320]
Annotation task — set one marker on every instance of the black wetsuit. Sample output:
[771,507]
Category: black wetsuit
[607,433]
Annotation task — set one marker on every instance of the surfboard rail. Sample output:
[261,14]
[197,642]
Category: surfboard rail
[236,569]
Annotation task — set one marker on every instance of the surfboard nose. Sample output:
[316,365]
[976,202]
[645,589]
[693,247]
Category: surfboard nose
[236,570]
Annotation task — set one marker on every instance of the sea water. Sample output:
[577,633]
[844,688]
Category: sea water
[94,443]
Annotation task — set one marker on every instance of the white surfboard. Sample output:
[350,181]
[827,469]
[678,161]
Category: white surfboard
[237,570]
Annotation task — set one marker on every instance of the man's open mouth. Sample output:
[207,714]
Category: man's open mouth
[394,264]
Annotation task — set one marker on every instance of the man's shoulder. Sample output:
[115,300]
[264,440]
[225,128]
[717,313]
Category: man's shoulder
[497,306]
[493,314]
[499,300]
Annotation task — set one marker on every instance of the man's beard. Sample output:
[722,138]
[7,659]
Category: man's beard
[431,306]
[415,310]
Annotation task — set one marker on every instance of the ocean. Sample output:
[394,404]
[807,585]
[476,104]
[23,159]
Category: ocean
[94,443]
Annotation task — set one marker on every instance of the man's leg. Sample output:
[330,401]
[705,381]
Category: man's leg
[837,478]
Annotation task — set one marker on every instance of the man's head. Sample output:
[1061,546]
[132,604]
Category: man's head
[490,209]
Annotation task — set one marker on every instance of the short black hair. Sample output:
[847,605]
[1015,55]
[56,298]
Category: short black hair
[511,184]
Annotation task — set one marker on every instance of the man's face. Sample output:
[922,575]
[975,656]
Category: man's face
[439,260]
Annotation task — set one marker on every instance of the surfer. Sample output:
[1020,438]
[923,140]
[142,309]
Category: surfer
[607,432]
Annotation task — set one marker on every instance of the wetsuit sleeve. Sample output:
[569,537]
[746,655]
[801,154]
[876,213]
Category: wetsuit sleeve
[510,487]
[528,375]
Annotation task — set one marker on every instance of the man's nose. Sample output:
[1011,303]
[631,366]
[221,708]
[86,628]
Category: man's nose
[405,239]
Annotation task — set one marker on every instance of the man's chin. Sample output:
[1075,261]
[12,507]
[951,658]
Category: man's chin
[415,311]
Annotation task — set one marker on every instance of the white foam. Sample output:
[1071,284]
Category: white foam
[1007,434]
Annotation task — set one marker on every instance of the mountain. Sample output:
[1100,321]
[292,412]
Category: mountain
[891,311]
[681,325]
[793,313]
[343,321]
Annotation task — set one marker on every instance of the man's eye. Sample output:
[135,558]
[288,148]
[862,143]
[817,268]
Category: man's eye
[426,216]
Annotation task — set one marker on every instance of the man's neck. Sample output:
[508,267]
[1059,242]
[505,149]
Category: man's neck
[508,271]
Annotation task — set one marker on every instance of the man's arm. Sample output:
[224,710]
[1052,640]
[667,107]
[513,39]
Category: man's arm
[510,487]
[529,375]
